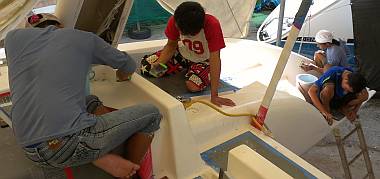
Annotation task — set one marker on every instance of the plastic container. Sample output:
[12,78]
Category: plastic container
[304,82]
[158,70]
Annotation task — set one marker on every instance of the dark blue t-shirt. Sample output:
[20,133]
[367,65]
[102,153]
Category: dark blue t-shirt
[334,74]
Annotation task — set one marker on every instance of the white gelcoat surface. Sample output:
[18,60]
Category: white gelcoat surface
[4,84]
[185,134]
[324,14]
[245,163]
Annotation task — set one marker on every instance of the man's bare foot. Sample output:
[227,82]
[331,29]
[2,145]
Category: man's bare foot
[117,166]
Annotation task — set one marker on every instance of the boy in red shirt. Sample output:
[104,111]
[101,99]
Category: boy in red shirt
[194,42]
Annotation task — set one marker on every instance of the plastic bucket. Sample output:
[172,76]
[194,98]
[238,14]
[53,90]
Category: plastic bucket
[306,79]
[304,82]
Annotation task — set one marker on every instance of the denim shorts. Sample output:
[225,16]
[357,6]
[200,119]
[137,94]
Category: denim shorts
[110,131]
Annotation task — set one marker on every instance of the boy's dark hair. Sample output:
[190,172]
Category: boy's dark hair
[189,17]
[357,82]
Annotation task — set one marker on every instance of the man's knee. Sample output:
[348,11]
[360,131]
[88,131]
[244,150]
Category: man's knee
[154,120]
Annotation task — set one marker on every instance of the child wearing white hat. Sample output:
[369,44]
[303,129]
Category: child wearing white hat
[331,53]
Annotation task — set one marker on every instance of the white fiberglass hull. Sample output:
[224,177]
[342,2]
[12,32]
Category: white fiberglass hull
[332,15]
[184,134]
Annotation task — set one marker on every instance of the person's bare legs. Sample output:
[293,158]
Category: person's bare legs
[319,59]
[136,147]
[350,111]
[326,95]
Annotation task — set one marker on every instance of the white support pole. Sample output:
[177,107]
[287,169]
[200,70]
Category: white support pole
[294,31]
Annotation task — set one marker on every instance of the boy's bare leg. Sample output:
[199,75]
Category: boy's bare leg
[326,96]
[350,112]
[319,59]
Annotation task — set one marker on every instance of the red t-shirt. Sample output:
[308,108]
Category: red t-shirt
[197,48]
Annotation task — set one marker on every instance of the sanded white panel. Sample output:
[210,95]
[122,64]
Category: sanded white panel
[4,83]
[245,163]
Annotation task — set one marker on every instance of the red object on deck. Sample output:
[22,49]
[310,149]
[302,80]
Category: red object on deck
[146,166]
[261,115]
[69,173]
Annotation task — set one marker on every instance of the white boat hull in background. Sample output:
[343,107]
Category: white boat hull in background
[332,15]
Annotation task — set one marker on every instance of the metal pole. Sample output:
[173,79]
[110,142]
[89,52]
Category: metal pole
[280,22]
[342,153]
[364,149]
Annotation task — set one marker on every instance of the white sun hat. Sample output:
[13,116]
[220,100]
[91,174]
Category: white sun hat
[323,36]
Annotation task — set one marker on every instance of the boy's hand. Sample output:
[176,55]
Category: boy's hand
[329,118]
[122,76]
[219,101]
[321,52]
[307,67]
[154,65]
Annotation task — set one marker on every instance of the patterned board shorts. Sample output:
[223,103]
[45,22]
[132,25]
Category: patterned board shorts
[198,73]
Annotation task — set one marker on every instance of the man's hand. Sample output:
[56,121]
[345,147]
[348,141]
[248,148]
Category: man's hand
[122,76]
[219,101]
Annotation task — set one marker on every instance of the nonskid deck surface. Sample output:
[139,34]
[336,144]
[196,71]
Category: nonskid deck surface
[174,84]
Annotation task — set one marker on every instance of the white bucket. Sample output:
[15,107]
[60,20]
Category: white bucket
[306,79]
[304,82]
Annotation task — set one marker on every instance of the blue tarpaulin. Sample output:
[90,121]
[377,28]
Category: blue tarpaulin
[266,5]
